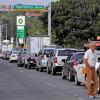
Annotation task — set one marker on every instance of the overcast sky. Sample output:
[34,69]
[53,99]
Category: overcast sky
[28,2]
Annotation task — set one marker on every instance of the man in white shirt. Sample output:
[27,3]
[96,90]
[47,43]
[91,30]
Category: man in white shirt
[90,62]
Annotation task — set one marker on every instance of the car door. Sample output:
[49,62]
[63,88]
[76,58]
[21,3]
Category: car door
[79,72]
[67,65]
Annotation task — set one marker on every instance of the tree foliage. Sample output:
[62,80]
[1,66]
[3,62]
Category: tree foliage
[37,28]
[74,22]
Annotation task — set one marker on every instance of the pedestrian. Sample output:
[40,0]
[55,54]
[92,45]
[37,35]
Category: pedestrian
[92,78]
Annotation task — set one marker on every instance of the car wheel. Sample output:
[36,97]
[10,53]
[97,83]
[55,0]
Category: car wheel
[69,76]
[40,69]
[28,66]
[99,91]
[25,65]
[53,71]
[77,83]
[63,76]
[37,69]
[9,61]
[17,65]
[48,70]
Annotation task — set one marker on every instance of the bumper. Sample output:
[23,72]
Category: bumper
[58,68]
[13,59]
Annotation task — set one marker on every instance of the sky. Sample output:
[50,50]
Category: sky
[27,2]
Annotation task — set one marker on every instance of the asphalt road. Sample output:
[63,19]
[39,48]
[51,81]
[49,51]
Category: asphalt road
[23,84]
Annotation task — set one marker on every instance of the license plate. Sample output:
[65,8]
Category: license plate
[31,61]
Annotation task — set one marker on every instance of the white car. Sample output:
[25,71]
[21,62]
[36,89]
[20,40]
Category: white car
[14,56]
[80,75]
[97,62]
[98,70]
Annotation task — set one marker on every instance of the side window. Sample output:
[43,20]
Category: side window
[54,53]
[72,58]
[19,53]
[69,58]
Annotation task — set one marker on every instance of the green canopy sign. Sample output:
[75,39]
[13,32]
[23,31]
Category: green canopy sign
[20,31]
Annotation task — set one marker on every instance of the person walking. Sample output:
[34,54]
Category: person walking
[90,62]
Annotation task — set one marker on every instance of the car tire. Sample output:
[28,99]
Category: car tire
[9,61]
[25,65]
[28,66]
[40,69]
[37,69]
[63,76]
[99,91]
[77,83]
[53,71]
[48,70]
[69,76]
[17,65]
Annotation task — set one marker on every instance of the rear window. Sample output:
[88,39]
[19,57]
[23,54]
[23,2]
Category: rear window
[79,56]
[65,52]
[14,52]
[48,51]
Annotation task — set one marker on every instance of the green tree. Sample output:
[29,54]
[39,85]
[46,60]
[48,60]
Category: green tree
[74,21]
[37,28]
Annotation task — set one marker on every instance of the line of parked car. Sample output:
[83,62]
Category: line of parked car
[68,61]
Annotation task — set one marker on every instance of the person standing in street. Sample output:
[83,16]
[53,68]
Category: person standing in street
[90,62]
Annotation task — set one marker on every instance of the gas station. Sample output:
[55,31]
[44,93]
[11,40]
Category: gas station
[30,10]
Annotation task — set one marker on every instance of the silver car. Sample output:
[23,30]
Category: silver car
[54,63]
[41,60]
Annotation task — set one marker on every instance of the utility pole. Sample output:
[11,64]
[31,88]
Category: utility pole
[4,26]
[49,20]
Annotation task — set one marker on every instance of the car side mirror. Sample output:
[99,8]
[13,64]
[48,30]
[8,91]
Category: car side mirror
[63,60]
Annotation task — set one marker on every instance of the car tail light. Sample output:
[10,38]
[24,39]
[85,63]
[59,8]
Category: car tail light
[33,60]
[55,60]
[74,63]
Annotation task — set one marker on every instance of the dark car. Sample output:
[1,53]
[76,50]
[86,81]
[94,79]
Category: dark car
[70,64]
[3,54]
[21,58]
[31,62]
[7,54]
[41,60]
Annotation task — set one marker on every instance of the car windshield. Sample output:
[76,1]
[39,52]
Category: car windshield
[48,51]
[79,56]
[65,52]
[15,52]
